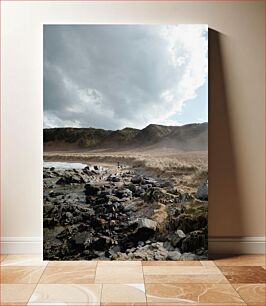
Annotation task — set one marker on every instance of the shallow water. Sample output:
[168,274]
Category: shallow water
[64,165]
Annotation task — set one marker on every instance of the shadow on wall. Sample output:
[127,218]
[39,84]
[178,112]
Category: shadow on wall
[225,215]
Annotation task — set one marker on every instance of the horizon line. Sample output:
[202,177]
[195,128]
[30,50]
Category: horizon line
[126,127]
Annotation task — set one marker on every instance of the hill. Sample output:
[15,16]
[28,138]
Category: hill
[190,137]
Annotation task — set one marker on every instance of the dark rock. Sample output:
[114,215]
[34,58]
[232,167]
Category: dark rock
[113,178]
[101,200]
[185,222]
[132,187]
[155,194]
[69,178]
[202,192]
[106,192]
[180,234]
[160,253]
[130,207]
[146,223]
[80,238]
[114,250]
[77,219]
[63,233]
[165,184]
[69,215]
[48,222]
[88,171]
[100,243]
[168,246]
[54,194]
[194,241]
[123,193]
[178,237]
[174,255]
[146,186]
[48,208]
[145,228]
[113,226]
[139,230]
[91,190]
[189,256]
[139,192]
[185,197]
[150,181]
[137,179]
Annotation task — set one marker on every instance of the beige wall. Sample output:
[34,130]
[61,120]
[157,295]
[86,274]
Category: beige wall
[236,98]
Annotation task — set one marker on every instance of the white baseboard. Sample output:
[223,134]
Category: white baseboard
[236,245]
[217,245]
[21,245]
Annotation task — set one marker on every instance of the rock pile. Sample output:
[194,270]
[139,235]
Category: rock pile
[98,213]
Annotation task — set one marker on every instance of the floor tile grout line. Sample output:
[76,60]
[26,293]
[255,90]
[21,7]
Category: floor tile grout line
[202,283]
[237,292]
[144,282]
[36,284]
[175,283]
[250,303]
[221,272]
[231,284]
[101,293]
[216,264]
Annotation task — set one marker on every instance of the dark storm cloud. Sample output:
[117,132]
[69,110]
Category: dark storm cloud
[111,76]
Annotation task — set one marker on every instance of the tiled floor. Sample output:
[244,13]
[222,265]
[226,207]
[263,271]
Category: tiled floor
[27,280]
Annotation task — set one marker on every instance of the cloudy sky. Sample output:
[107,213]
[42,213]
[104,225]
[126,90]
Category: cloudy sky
[116,76]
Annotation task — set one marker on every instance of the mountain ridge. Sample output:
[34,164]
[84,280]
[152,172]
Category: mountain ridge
[193,136]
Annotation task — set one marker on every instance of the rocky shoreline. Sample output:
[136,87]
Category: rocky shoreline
[114,213]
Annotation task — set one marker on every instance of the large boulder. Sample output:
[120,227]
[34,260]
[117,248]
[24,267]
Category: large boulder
[146,223]
[202,192]
[141,230]
[178,237]
[101,243]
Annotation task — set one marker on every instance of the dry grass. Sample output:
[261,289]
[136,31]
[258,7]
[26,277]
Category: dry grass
[187,170]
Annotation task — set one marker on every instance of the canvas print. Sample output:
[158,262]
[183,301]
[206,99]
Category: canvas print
[125,140]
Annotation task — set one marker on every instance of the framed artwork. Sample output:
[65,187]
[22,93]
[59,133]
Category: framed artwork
[125,140]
